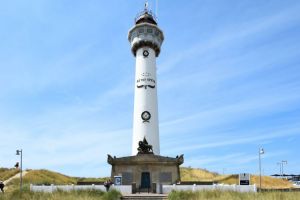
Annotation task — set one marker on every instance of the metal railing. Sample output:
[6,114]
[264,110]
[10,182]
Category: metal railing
[144,12]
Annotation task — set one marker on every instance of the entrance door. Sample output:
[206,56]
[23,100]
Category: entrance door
[145,182]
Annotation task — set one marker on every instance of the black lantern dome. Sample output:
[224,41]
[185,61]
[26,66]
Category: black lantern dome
[145,17]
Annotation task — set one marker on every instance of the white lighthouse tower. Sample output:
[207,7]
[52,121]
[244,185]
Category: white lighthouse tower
[145,39]
[145,168]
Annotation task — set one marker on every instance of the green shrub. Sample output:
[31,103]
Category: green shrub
[61,195]
[112,195]
[228,195]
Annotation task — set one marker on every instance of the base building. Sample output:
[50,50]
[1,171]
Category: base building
[146,171]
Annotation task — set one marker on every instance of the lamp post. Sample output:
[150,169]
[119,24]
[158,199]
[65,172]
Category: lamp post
[260,152]
[19,153]
[280,168]
[283,162]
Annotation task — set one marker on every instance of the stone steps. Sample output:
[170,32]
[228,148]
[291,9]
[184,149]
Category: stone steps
[145,196]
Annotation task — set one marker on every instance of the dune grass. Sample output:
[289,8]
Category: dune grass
[175,195]
[40,177]
[219,195]
[6,173]
[90,179]
[192,174]
[60,195]
[44,177]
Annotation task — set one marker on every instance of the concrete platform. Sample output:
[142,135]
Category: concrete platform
[145,196]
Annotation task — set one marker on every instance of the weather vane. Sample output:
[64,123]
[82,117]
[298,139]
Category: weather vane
[146,5]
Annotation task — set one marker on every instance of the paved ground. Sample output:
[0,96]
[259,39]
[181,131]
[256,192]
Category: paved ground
[147,194]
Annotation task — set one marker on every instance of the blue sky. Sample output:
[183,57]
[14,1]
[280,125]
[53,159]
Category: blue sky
[228,83]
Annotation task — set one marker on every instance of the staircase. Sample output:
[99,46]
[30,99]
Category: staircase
[145,196]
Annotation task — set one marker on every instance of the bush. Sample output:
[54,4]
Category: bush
[61,195]
[222,195]
[112,195]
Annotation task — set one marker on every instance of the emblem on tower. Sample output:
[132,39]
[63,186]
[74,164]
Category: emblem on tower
[146,116]
[145,53]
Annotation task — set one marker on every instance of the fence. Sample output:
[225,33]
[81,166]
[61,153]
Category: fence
[237,188]
[126,189]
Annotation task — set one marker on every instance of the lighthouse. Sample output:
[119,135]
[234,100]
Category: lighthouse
[145,168]
[146,39]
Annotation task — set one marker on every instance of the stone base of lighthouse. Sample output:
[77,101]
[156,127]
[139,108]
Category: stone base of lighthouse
[145,172]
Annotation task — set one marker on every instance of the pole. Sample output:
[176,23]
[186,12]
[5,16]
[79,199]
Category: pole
[261,151]
[281,170]
[283,162]
[156,10]
[21,177]
[259,170]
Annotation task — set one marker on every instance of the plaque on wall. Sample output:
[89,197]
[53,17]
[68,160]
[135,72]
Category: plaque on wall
[127,178]
[165,177]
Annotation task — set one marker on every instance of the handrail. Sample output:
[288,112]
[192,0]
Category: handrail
[144,12]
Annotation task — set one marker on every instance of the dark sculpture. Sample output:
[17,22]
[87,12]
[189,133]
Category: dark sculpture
[144,147]
[180,159]
[110,159]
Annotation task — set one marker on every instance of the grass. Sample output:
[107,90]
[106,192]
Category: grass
[219,195]
[60,195]
[46,177]
[82,179]
[6,173]
[175,195]
[40,177]
[192,174]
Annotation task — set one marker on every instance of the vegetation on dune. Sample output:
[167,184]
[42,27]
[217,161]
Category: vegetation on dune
[6,173]
[219,195]
[271,183]
[82,179]
[59,195]
[40,177]
[192,174]
[45,177]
